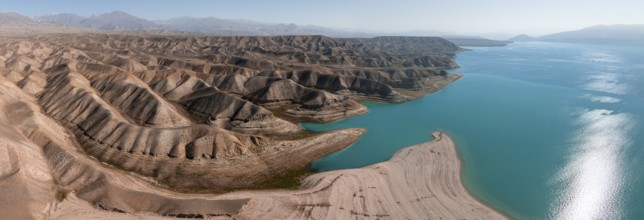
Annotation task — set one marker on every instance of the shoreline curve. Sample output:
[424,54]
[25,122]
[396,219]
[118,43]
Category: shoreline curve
[419,182]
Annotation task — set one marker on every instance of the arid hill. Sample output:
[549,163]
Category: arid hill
[106,115]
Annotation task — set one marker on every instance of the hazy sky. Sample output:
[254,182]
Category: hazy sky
[534,17]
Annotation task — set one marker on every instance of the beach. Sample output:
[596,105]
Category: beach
[419,182]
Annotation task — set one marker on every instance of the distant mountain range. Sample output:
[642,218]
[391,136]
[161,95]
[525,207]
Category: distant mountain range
[604,34]
[217,26]
[13,18]
[522,37]
[122,21]
[622,34]
[14,23]
[117,20]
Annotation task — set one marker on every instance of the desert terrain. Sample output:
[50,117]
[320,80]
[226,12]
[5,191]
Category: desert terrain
[160,124]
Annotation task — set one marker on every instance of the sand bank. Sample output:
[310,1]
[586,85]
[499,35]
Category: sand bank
[418,182]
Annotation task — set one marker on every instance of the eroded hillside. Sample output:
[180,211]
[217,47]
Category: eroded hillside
[106,114]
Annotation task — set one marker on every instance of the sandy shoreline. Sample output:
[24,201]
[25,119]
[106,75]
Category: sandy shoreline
[418,182]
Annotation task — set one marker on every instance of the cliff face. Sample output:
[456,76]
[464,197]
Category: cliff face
[197,113]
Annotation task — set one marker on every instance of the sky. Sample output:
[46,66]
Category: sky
[534,17]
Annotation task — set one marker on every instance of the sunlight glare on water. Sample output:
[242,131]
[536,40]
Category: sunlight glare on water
[606,82]
[602,99]
[594,176]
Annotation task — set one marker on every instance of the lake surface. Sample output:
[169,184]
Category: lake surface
[544,130]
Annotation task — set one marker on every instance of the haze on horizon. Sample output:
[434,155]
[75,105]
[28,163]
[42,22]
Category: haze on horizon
[468,17]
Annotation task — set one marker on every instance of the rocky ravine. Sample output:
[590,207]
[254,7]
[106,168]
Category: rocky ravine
[124,122]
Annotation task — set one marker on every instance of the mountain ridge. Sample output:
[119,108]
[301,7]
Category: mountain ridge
[123,22]
[522,37]
[614,34]
[116,20]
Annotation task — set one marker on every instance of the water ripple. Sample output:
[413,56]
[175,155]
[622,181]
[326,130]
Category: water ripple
[607,82]
[602,99]
[600,57]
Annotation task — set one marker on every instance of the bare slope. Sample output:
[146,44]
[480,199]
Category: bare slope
[121,120]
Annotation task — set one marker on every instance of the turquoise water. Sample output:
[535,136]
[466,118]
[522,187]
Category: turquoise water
[544,130]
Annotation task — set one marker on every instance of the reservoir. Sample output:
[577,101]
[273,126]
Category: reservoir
[544,130]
